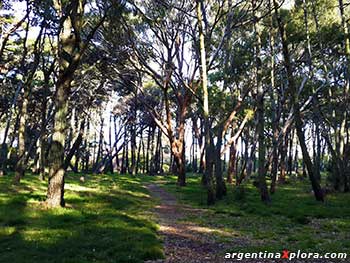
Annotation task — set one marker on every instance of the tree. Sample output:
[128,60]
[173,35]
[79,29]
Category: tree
[293,93]
[71,47]
[204,81]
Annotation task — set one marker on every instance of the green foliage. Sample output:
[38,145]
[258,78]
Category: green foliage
[105,221]
[325,12]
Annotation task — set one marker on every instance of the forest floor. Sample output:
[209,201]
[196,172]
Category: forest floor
[125,219]
[184,241]
[241,223]
[106,219]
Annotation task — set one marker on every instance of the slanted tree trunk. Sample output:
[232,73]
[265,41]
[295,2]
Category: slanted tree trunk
[4,146]
[23,115]
[316,136]
[87,148]
[5,36]
[295,104]
[123,168]
[75,146]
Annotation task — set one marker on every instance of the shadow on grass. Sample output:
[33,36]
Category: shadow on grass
[81,244]
[291,200]
[102,225]
[293,219]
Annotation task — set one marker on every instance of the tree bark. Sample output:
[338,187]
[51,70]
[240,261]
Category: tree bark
[231,173]
[220,183]
[20,166]
[204,80]
[344,121]
[68,62]
[264,194]
[55,191]
[297,117]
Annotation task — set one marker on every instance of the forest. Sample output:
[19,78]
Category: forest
[174,130]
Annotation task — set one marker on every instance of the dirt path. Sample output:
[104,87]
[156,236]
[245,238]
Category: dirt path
[183,241]
[186,242]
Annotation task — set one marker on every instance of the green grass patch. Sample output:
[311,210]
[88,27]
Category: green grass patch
[294,220]
[107,219]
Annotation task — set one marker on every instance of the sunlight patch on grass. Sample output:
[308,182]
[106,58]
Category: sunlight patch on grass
[7,231]
[294,218]
[106,220]
[79,188]
[46,236]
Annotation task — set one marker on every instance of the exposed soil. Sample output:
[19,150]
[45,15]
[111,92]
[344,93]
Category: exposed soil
[184,241]
[187,242]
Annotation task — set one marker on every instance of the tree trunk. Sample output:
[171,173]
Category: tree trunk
[20,166]
[55,191]
[68,62]
[194,154]
[179,159]
[110,161]
[42,140]
[220,183]
[345,118]
[122,168]
[264,194]
[232,163]
[138,160]
[283,151]
[275,103]
[133,146]
[147,164]
[96,166]
[75,146]
[87,148]
[116,138]
[294,99]
[204,80]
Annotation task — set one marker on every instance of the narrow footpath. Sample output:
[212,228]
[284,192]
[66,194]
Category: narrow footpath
[187,242]
[183,241]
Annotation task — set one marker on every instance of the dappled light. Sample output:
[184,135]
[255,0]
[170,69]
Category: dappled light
[174,131]
[95,227]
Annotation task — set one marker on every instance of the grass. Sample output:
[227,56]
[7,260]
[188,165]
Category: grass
[293,221]
[106,220]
